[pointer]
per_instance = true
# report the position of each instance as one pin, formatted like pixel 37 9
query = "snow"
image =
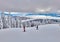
pixel 42 17
pixel 46 33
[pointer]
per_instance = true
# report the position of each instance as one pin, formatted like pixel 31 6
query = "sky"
pixel 29 5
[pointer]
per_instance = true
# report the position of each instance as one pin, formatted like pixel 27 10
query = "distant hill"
pixel 37 14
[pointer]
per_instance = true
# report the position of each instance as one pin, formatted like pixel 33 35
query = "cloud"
pixel 43 10
pixel 28 5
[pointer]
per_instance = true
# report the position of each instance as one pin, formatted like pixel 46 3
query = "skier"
pixel 37 27
pixel 24 28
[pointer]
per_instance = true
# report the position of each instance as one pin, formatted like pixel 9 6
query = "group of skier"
pixel 24 28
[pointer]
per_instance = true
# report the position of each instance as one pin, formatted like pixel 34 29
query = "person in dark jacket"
pixel 37 27
pixel 24 28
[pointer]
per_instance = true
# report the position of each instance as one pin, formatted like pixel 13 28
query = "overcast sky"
pixel 28 5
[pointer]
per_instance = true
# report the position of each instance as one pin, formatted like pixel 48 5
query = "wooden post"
pixel 9 20
pixel 3 20
pixel 1 23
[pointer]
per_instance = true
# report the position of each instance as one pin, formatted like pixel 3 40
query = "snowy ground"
pixel 46 33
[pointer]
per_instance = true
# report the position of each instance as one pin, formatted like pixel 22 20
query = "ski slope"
pixel 46 33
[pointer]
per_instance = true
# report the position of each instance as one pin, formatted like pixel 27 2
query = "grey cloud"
pixel 28 5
